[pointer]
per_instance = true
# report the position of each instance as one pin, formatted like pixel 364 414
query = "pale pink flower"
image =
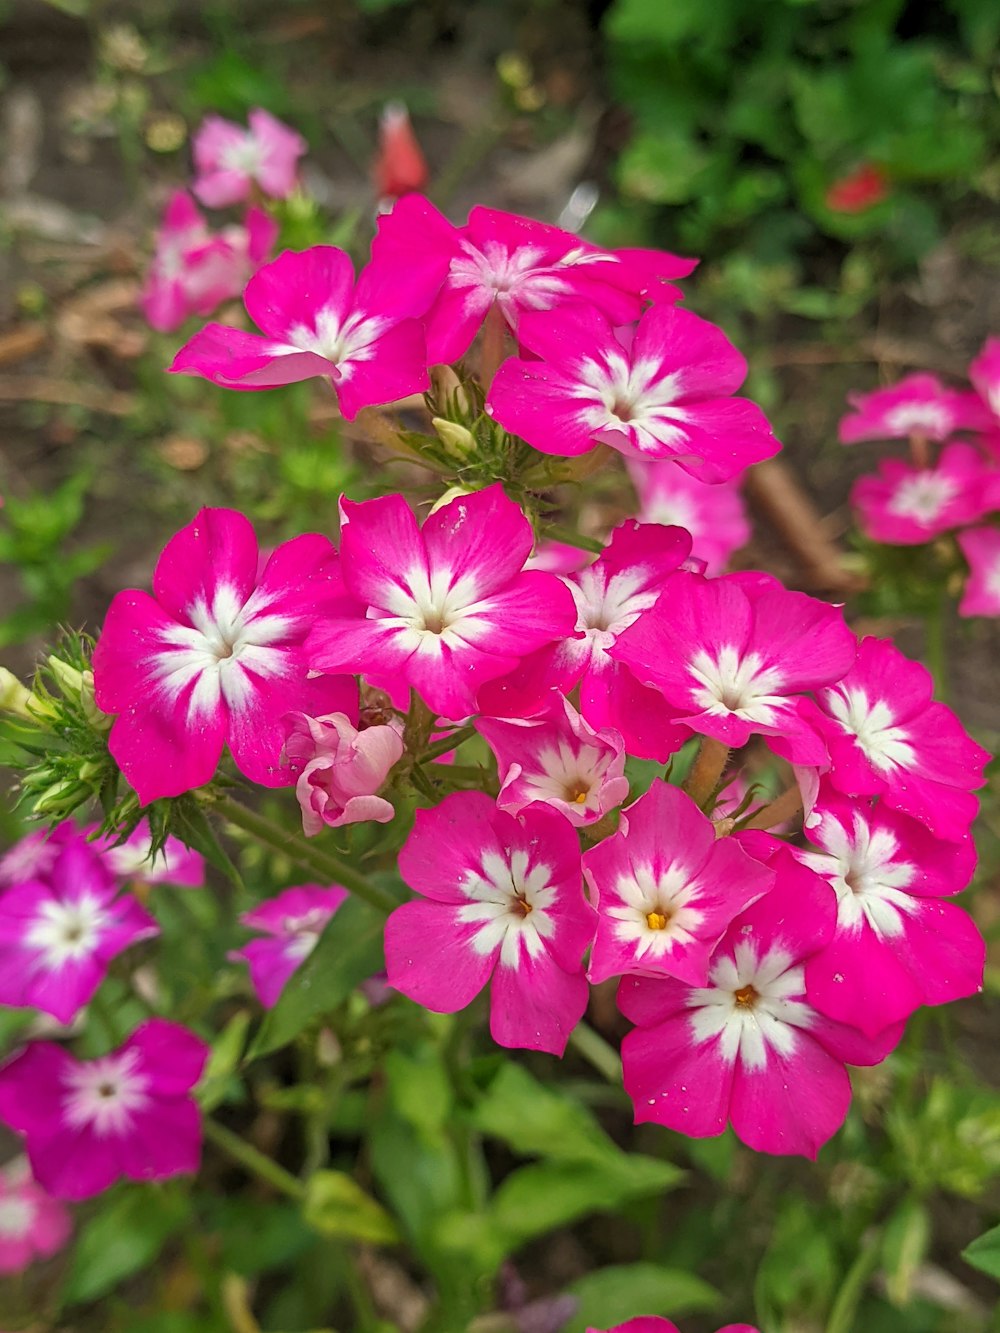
pixel 887 738
pixel 338 770
pixel 749 1048
pixel 919 405
pixel 316 321
pixel 662 390
pixel 896 945
pixel 904 506
pixel 502 902
pixel 666 889
pixel 558 759
pixel 215 657
pixel 87 1123
pixel 230 160
pixel 59 932
pixel 131 860
pixel 291 923
pixel 33 1225
pixel 610 595
pixel 734 655
pixel 714 514
pixel 981 548
pixel 442 608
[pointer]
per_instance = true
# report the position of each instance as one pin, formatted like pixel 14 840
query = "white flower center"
pixel 613 392
pixel 736 683
pixel 302 932
pixel 104 1094
pixel 885 745
pixel 607 606
pixel 340 341
pixel 245 155
pixel 509 904
pixel 656 913
pixel 66 932
pixel 513 278
pixel 867 872
pixel 564 772
pixel 922 497
pixel 919 419
pixel 17 1217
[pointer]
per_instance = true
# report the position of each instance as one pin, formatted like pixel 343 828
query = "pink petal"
pixel 430 957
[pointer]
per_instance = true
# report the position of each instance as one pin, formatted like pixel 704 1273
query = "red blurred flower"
pixel 864 187
pixel 400 166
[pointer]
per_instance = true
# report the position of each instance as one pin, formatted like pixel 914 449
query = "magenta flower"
pixel 887 738
pixel 441 608
pixel 130 860
pixel 715 514
pixel 896 945
pixel 904 506
pixel 516 265
pixel 504 900
pixel 316 321
pixel 215 656
pixel 654 1324
pixel 610 595
pixel 663 390
pixel 984 372
pixel 338 770
pixel 558 759
pixel 87 1123
pixel 666 889
pixel 981 548
pixel 34 855
pixel 733 655
pixel 230 160
pixel 918 405
pixel 58 933
pixel 749 1049
pixel 33 1225
pixel 292 924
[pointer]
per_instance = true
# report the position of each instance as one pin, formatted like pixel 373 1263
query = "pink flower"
pixel 663 390
pixel 904 505
pixel 400 166
pixel 887 738
pixel 981 548
pixel 35 854
pixel 215 657
pixel 229 160
pixel 896 946
pixel 516 265
pixel 89 1122
pixel 441 608
pixel 715 514
pixel 292 923
pixel 749 1048
pixel 984 372
pixel 316 321
pixel 33 1225
pixel 611 594
pixel 339 770
pixel 733 655
pixel 58 933
pixel 556 758
pixel 193 271
pixel 858 191
pixel 130 860
pixel 503 900
pixel 666 889
pixel 918 405
pixel 654 1324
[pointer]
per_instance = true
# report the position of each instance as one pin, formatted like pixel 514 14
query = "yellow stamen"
pixel 745 996
pixel 656 920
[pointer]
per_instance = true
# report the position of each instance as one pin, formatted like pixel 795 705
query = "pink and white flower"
pixel 338 770
pixel 442 608
pixel 59 933
pixel 896 946
pixel 34 855
pixel 918 406
pixel 666 889
pixel 888 738
pixel 316 321
pixel 715 515
pixel 87 1123
pixel 133 862
pixel 558 759
pixel 749 1049
pixel 662 390
pixel 215 657
pixel 981 548
pixel 230 160
pixel 502 903
pixel 610 595
pixel 734 655
pixel 904 506
pixel 291 923
pixel 33 1225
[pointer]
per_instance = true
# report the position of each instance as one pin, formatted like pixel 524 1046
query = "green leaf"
pixel 904 1248
pixel 535 1120
pixel 984 1253
pixel 420 1087
pixel 224 1060
pixel 336 1205
pixel 612 1295
pixel 189 823
pixel 125 1236
pixel 348 951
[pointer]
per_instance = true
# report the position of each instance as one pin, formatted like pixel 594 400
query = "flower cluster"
pixel 951 481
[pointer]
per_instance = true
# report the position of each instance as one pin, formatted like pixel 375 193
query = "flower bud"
pixel 458 439
pixel 14 697
pixel 452 493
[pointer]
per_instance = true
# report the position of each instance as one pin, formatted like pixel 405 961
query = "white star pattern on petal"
pixel 509 904
pixel 104 1094
pixel 867 872
pixel 885 745
pixel 736 683
pixel 656 913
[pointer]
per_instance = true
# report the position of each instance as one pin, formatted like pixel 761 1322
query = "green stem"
pixel 253 1160
pixel 330 868
pixel 556 532
pixel 448 743
pixel 597 1052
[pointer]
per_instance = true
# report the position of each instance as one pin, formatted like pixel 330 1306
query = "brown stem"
pixel 706 770
pixel 920 451
pixel 780 809
pixel 378 427
pixel 493 349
